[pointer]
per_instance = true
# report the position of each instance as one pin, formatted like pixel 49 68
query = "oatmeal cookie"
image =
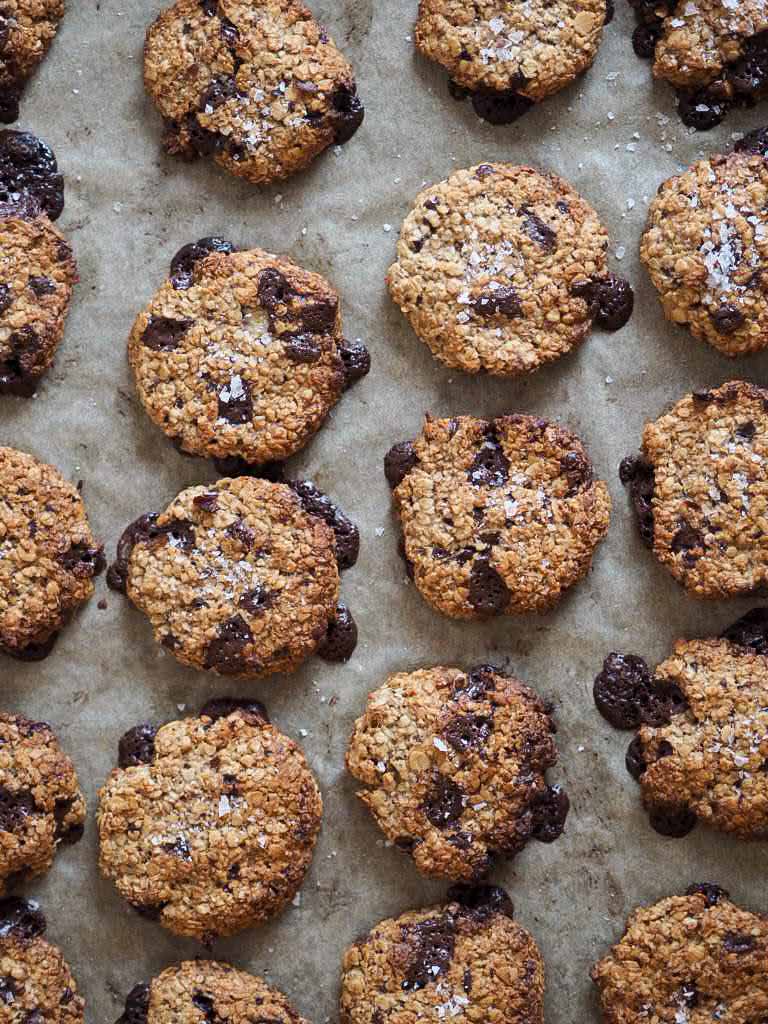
pixel 27 28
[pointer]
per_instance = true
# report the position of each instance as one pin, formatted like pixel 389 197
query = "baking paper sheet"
pixel 615 136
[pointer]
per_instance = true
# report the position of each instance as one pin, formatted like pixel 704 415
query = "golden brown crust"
pixel 35 980
pixel 27 28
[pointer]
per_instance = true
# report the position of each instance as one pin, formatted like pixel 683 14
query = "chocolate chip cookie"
pixel 454 764
pixel 48 556
pixel 242 576
pixel 701 749
pixel 466 959
pixel 510 56
pixel 35 981
pixel 502 269
pixel 695 958
pixel 27 28
pixel 41 804
pixel 714 53
pixel 700 487
pixel 706 249
pixel 499 517
pixel 208 824
pixel 240 354
pixel 260 88
pixel 207 990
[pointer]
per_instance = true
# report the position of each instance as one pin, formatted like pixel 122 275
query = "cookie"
pixel 36 983
pixel 501 269
pixel 41 804
pixel 37 272
pixel 499 517
pixel 29 174
pixel 700 487
pixel 48 556
pixel 240 354
pixel 242 576
pixel 207 990
pixel 713 52
pixel 260 88
pixel 695 958
pixel 208 824
pixel 706 249
pixel 27 28
pixel 466 959
pixel 454 764
pixel 509 56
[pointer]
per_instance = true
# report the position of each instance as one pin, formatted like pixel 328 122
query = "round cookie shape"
pixel 705 246
pixel 697 957
pixel 510 56
pixel 465 958
pixel 502 269
pixel 260 87
pixel 208 825
pixel 209 990
pixel 454 764
pixel 35 981
pixel 27 28
pixel 241 577
pixel 240 354
pixel 700 486
pixel 48 556
pixel 41 804
pixel 499 517
pixel 701 748
pixel 37 273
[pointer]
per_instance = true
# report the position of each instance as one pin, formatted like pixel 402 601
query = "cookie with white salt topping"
pixel 501 269
pixel 700 753
pixel 706 249
pixel 259 87
pixel 240 354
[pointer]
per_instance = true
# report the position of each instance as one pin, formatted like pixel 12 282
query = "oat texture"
pixel 534 48
pixel 235 577
pixel 487 265
pixel 37 272
pixel 48 556
pixel 210 825
pixel 258 86
pixel 242 358
pixel 706 249
pixel 707 457
pixel 41 804
pixel 498 516
pixel 27 28
pixel 697 958
pixel 466 960
pixel 454 766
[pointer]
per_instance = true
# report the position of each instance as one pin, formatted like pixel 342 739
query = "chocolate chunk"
pixel 19 372
pixel 754 143
pixel 66 834
pixel 208 502
pixel 256 601
pixel 42 286
pixel 672 820
pixel 242 533
pixel 347 112
pixel 272 289
pixel 319 316
pixel 315 503
pixel 137 746
pixel 140 531
pixel 8 990
pixel 634 759
pixel 645 38
pixel 638 473
pixel 739 942
pixel 82 561
pixel 539 232
pixel 235 466
pixel 301 348
pixel 6 297
pixel 356 359
pixel 183 263
pixel 163 334
pixel 577 470
pixel 610 300
pixel 398 462
pixel 228 32
pixel 150 911
pixel 701 110
pixel 686 542
pixel 216 94
pixel 204 1004
pixel 444 801
pixel 235 402
pixel 340 639
pixel 711 892
pixel 468 732
pixel 22 918
pixel 178 848
pixel 479 681
pixel 225 652
pixel 746 431
pixel 15 808
pixel 549 813
pixel 623 691
pixel 488 593
pixel 503 301
pixel 490 466
pixel 482 900
pixel 223 707
pixel 499 107
pixel 727 318
pixel 35 651
pixel 751 631
pixel 180 534
pixel 136 1006
pixel 28 168
pixel 430 945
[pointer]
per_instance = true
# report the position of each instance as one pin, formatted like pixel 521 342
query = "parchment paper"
pixel 616 137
